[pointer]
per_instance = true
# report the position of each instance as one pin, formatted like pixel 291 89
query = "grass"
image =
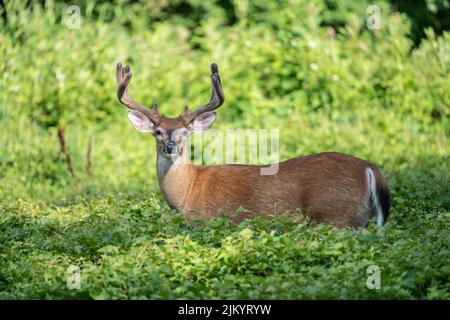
pixel 371 94
pixel 135 247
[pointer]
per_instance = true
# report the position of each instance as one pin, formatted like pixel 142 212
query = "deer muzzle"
pixel 170 147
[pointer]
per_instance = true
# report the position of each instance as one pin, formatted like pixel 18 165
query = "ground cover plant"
pixel 312 69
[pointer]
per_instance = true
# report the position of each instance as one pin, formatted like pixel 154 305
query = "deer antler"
pixel 217 97
pixel 123 76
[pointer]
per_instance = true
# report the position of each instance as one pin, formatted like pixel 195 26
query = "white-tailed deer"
pixel 330 187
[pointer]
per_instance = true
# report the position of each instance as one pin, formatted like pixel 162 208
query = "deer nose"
pixel 170 147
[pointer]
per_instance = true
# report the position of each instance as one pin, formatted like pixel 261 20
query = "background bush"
pixel 311 68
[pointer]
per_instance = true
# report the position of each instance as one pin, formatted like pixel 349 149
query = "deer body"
pixel 331 187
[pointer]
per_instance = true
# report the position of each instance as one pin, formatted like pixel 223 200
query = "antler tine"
pixel 217 96
pixel 123 77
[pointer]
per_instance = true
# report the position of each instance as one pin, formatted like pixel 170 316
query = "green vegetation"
pixel 310 68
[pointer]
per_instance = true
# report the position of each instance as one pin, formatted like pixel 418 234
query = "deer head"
pixel 170 133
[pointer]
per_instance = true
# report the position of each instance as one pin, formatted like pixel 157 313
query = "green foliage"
pixel 137 248
pixel 310 68
pixel 425 14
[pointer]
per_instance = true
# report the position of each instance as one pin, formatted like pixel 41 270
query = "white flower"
pixel 15 88
pixel 312 44
pixel 314 66
pixel 59 75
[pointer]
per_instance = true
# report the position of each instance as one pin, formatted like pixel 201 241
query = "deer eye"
pixel 158 132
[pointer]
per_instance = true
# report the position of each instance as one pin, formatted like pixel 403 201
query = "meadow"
pixel 312 69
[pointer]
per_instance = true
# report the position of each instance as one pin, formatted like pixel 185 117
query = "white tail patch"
pixel 374 196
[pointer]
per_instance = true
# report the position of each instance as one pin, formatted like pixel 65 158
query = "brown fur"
pixel 328 187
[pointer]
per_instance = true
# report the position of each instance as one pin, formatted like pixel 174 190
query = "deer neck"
pixel 175 177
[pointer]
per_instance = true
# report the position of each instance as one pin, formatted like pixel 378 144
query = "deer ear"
pixel 140 121
pixel 203 121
